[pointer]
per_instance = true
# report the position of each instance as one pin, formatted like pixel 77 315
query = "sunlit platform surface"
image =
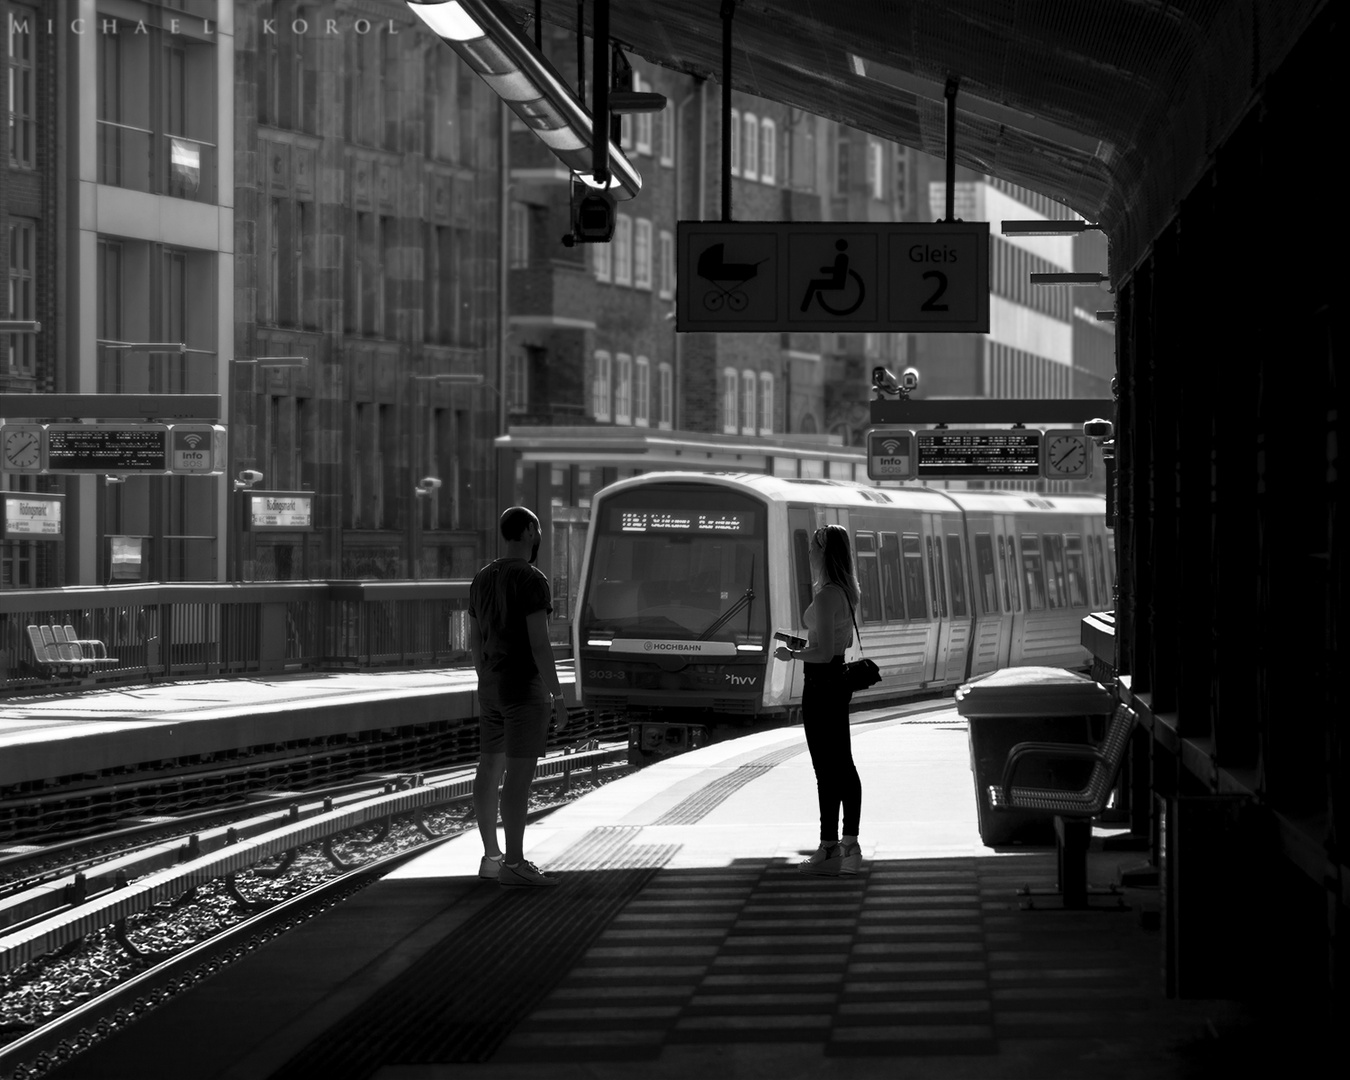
pixel 683 942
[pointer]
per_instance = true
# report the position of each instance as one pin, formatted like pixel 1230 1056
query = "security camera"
pixel 427 485
pixel 887 383
pixel 1097 428
pixel 909 380
pixel 250 476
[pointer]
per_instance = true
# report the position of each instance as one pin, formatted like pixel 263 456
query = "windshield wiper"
pixel 747 597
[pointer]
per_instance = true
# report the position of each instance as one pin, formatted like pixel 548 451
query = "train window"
pixel 1033 574
pixel 801 565
pixel 1007 557
pixel 1075 575
pixel 893 600
pixel 916 600
pixel 1104 568
pixel 869 609
pixel 939 587
pixel 1053 547
pixel 958 573
pixel 986 574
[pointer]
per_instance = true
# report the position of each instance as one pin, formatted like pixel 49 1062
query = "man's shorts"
pixel 518 725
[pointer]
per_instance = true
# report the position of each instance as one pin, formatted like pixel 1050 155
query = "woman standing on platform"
pixel 825 697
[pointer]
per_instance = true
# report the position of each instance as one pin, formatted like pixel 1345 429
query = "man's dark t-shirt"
pixel 503 593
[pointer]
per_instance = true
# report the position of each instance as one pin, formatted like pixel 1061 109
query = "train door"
pixel 940 640
pixel 960 624
pixel 801 524
pixel 1011 593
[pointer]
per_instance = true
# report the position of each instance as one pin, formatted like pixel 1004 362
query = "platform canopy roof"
pixel 1113 107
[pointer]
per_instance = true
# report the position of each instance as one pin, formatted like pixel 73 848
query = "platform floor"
pixel 683 943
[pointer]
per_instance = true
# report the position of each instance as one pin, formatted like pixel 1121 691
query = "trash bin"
pixel 1028 704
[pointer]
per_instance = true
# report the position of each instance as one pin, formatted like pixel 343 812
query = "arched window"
pixel 623 389
pixel 642 392
pixel 766 402
pixel 730 394
pixel 600 386
pixel 642 254
pixel 748 396
pixel 768 151
pixel 665 396
pixel 735 142
pixel 750 149
pixel 623 249
pixel 643 143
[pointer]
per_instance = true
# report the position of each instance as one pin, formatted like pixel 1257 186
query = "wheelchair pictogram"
pixel 728 279
pixel 837 282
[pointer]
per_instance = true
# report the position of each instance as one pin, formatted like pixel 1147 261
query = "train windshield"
pixel 678 563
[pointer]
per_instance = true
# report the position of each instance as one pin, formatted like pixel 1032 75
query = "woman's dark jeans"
pixel 825 716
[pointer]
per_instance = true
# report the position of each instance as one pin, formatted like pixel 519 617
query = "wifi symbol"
pixel 890 446
pixel 192 440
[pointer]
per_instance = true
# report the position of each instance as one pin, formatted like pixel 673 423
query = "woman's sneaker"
pixel 850 861
pixel 523 874
pixel 490 867
pixel 824 860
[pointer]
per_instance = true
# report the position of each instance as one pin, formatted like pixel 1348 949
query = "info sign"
pixel 840 277
pixel 279 511
pixel 33 515
pixel 978 454
pixel 891 454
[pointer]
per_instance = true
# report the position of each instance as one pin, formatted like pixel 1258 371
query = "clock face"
pixel 1066 455
pixel 23 448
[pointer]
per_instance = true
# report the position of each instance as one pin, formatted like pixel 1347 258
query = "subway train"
pixel 687 577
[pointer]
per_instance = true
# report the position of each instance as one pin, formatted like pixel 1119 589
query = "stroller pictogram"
pixel 728 279
pixel 837 281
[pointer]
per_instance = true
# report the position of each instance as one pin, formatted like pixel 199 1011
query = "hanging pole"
pixel 600 77
pixel 728 11
pixel 950 94
pixel 581 51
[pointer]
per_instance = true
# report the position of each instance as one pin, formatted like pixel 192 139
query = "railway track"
pixel 97 931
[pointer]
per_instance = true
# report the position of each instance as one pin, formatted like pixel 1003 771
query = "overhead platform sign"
pixel 840 277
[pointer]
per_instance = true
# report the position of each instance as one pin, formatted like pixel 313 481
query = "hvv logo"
pixel 740 680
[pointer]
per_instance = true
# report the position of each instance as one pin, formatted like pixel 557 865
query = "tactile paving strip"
pixel 711 795
pixel 462 999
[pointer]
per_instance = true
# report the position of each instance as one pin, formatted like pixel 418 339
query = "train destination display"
pixel 682 521
pixel 978 454
pixel 106 448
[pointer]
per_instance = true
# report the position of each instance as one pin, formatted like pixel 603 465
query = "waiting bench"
pixel 57 650
pixel 1073 810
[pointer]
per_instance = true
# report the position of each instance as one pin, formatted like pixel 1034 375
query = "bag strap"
pixel 852 616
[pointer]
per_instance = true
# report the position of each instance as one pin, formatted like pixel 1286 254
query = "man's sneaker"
pixel 524 874
pixel 490 867
pixel 825 860
pixel 850 861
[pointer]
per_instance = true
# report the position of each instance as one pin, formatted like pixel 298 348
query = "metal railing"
pixel 205 630
pixel 155 162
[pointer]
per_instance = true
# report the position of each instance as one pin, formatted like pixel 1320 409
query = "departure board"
pixel 107 448
pixel 970 454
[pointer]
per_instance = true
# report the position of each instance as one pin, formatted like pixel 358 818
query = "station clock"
pixel 21 447
pixel 1068 454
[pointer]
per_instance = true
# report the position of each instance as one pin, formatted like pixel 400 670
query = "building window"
pixel 644 120
pixel 766 403
pixel 750 149
pixel 735 142
pixel 843 172
pixel 667 136
pixel 282 93
pixel 22 98
pixel 642 254
pixel 731 383
pixel 600 387
pixel 603 261
pixel 519 257
pixel 623 389
pixel 768 151
pixel 876 172
pixel 667 260
pixel 642 392
pixel 901 180
pixel 623 250
pixel 518 381
pixel 748 396
pixel 22 246
pixel 665 396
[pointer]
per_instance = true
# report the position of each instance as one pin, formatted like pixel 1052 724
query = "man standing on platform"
pixel 509 605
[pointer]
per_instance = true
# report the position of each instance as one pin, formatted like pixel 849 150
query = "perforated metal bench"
pixel 57 652
pixel 1073 810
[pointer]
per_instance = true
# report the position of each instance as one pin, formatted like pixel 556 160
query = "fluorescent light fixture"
pixel 1068 279
pixel 504 58
pixel 1046 227
pixel 598 642
pixel 749 648
pixel 143 346
pixel 20 326
pixel 450 379
pixel 278 361
pixel 975 105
